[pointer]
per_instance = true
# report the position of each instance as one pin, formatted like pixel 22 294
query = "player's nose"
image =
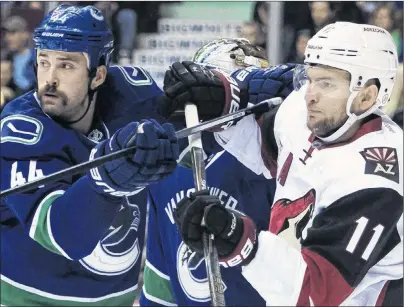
pixel 53 77
pixel 311 95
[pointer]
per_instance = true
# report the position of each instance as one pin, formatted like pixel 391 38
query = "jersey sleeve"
pixel 244 142
pixel 351 246
pixel 66 217
pixel 254 141
pixel 156 290
pixel 289 118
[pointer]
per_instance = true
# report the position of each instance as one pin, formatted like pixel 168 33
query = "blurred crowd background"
pixel 154 34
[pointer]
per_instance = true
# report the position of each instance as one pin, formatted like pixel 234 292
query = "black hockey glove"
pixel 213 92
pixel 235 233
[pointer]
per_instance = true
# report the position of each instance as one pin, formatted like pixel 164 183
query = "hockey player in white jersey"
pixel 336 227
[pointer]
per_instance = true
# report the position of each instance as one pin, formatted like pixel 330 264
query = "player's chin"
pixel 51 107
pixel 312 122
pixel 316 126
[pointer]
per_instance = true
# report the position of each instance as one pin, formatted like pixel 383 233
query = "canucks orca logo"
pixel 119 250
pixel 21 129
pixel 191 270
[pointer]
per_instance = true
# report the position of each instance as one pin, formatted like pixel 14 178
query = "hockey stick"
pixel 85 166
pixel 216 288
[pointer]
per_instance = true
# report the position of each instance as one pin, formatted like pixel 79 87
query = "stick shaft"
pixel 87 165
pixel 257 109
pixel 67 172
pixel 216 287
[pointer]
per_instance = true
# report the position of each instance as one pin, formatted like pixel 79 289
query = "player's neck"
pixel 349 134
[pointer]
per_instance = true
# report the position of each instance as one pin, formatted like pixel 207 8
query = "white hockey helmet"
pixel 230 54
pixel 365 51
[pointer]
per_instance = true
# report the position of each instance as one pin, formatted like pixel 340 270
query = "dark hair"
pixel 6 55
pixel 305 32
pixel 256 17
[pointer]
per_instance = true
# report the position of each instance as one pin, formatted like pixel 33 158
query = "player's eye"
pixel 67 66
pixel 43 64
pixel 325 84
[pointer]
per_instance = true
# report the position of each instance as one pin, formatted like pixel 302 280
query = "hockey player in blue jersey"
pixel 78 241
pixel 174 275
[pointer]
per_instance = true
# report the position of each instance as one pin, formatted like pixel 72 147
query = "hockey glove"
pixel 235 233
pixel 213 92
pixel 275 81
pixel 154 158
pixel 216 93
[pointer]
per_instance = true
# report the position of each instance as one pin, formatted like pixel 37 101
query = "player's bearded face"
pixel 62 84
pixel 326 98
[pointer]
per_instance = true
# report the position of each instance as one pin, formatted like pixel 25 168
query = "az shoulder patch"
pixel 381 161
pixel 21 129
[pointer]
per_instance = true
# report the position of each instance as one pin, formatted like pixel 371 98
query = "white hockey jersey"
pixel 336 226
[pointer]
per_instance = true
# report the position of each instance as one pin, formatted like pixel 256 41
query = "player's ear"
pixel 369 97
pixel 366 98
pixel 100 76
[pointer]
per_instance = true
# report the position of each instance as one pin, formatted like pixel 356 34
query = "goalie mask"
pixel 228 55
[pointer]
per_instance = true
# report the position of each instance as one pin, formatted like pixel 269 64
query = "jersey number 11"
pixel 360 228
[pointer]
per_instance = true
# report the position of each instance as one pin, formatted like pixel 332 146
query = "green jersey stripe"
pixel 157 286
pixel 16 294
pixel 40 229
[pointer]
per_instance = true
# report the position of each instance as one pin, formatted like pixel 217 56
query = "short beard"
pixel 327 127
pixel 68 119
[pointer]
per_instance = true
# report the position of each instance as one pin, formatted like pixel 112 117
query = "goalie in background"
pixel 174 275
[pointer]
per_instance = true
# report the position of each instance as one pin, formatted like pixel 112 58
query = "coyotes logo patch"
pixel 290 217
pixel 381 161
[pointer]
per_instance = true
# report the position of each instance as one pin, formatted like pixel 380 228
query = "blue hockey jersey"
pixel 174 275
pixel 83 248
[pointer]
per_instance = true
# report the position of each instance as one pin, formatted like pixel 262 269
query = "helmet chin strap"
pixel 84 114
pixel 90 100
pixel 352 119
